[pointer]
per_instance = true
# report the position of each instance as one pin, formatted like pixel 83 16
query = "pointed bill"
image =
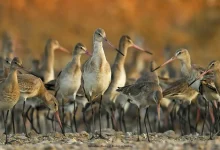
pixel 63 49
pixel 113 46
pixel 201 75
pixel 141 49
pixel 167 62
pixel 58 119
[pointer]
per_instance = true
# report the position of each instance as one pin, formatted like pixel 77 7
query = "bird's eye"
pixel 179 53
pixel 81 47
pixel 55 104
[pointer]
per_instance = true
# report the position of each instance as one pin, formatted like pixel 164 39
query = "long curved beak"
pixel 58 119
pixel 201 75
pixel 141 49
pixel 167 62
pixel 63 49
pixel 113 46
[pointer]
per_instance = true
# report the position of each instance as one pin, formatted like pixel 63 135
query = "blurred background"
pixel 174 23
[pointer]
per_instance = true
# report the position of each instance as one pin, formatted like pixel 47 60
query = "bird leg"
pixel 172 115
pixel 38 121
pixel 114 124
pixel 184 118
pixel 205 117
pixel 31 119
pixel 93 122
pixel 210 130
pixel 100 117
pixel 123 119
pixel 189 118
pixel 24 119
pixel 13 118
pixel 107 120
pixel 146 124
pixel 120 118
pixel 74 117
pixel 5 124
pixel 198 114
pixel 63 115
pixel 148 119
pixel 180 121
pixel 71 121
pixel 138 139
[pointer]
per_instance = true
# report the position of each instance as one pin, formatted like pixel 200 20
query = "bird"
pixel 212 85
pixel 144 92
pixel 180 90
pixel 46 70
pixel 118 76
pixel 68 81
pixel 31 86
pixel 9 93
pixel 190 71
pixel 97 72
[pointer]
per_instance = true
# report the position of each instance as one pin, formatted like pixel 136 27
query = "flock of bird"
pixel 97 82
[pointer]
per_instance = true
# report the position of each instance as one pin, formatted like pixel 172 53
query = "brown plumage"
pixel 180 90
pixel 9 92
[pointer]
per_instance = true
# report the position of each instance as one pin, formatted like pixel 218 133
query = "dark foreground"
pixel 115 140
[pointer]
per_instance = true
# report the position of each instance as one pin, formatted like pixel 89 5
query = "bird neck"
pixel 186 66
pixel 76 59
pixel 119 59
pixel 12 77
pixel 42 92
pixel 98 50
pixel 48 61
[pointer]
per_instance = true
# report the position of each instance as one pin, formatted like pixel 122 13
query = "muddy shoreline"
pixel 114 140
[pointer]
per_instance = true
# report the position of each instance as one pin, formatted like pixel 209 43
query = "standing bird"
pixel 190 71
pixel 118 77
pixel 179 89
pixel 31 86
pixel 214 67
pixel 69 80
pixel 9 93
pixel 97 72
pixel 46 71
pixel 144 93
pixel 214 91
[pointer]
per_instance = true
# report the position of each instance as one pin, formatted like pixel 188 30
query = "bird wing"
pixel 176 87
pixel 136 89
pixel 28 83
